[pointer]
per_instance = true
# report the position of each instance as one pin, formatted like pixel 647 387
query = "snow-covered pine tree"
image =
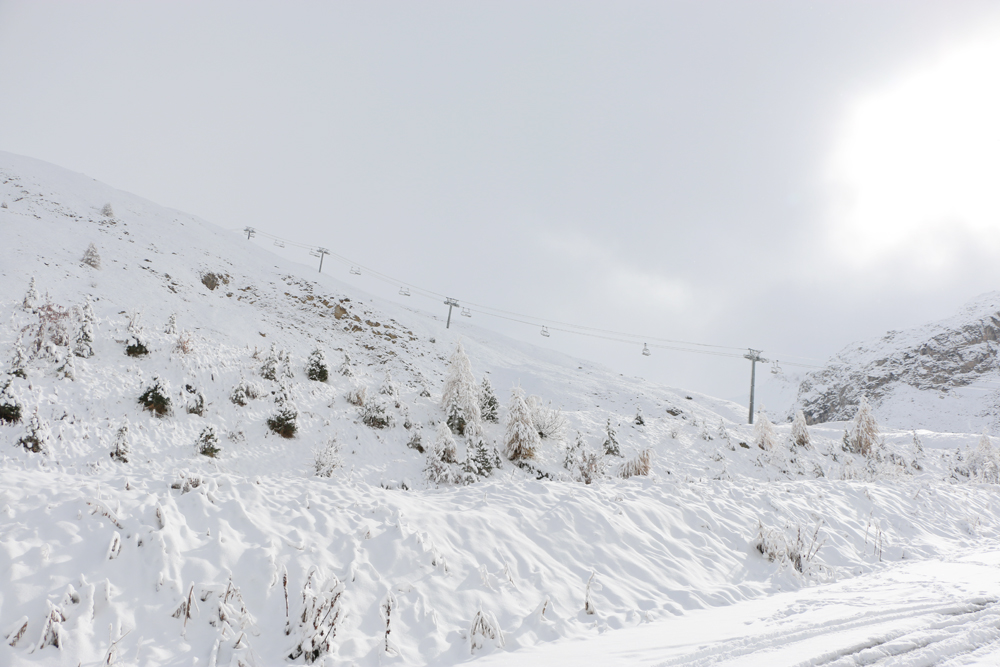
pixel 489 406
pixel 284 422
pixel 864 432
pixel 460 398
pixel 67 370
pixel 136 342
pixel 208 442
pixel 31 298
pixel 122 450
pixel 327 459
pixel 764 435
pixel 91 257
pixel 800 432
pixel 389 387
pixel 317 369
pixel 10 410
pixel 484 458
pixel 83 345
pixel 269 369
pixel 107 211
pixel 983 462
pixel 611 447
pixel 520 438
pixel 156 397
pixel 38 437
pixel 19 360
pixel 345 368
pixel 639 420
pixel 441 454
pixel 171 328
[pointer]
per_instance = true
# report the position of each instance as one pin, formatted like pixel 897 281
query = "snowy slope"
pixel 175 559
pixel 943 376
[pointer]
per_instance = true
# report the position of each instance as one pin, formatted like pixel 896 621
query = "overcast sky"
pixel 791 176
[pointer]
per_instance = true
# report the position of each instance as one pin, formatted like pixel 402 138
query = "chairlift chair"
pixel 404 291
pixel 775 368
pixel 545 332
pixel 280 244
pixel 645 350
pixel 466 312
pixel 355 271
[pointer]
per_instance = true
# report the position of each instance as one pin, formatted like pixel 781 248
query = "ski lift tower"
pixel 754 357
pixel 319 252
pixel 451 303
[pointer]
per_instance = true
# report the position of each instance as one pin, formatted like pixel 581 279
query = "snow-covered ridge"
pixel 940 376
pixel 218 560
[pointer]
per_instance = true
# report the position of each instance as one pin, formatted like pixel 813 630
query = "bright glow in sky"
pixel 920 163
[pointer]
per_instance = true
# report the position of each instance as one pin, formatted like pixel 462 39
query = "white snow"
pixel 104 557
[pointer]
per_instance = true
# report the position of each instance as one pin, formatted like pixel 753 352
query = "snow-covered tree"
pixel 489 406
pixel 389 387
pixel 800 432
pixel 583 463
pixel 208 442
pixel 136 342
pixel 483 458
pixel 91 257
pixel 19 360
pixel 67 370
pixel 317 369
pixel 345 367
pixel 107 211
pixel 38 437
pixel 441 453
pixel 520 438
pixel 31 298
pixel 269 369
pixel 864 434
pixel 764 435
pixel 327 459
pixel 639 420
pixel 10 409
pixel 171 327
pixel 983 462
pixel 548 421
pixel 156 397
pixel 610 445
pixel 123 449
pixel 460 398
pixel 918 452
pixel 83 344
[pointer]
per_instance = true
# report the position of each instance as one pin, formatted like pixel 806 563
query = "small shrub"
pixel 196 406
pixel 776 547
pixel 374 415
pixel 485 630
pixel 213 280
pixel 244 392
pixel 10 411
pixel 583 463
pixel 284 422
pixel 91 257
pixel 19 361
pixel 38 436
pixel 548 421
pixel 327 459
pixel 185 343
pixel 415 442
pixel 107 211
pixel 156 399
pixel 31 297
pixel 171 327
pixel 208 443
pixel 316 367
pixel 358 396
pixel 638 466
pixel 122 450
pixel 67 370
pixel 135 345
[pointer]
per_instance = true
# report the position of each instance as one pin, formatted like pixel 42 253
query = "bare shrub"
pixel 185 343
pixel 638 466
pixel 316 622
pixel 777 547
pixel 485 629
pixel 107 211
pixel 358 396
pixel 213 280
pixel 548 421
pixel 122 450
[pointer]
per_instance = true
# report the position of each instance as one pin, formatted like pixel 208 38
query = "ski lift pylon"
pixel 404 291
pixel 545 331
pixel 355 271
pixel 645 350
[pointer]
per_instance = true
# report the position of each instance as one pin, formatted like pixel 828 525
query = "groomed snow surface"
pixel 176 558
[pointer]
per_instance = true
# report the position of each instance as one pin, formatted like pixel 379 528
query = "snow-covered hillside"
pixel 250 557
pixel 942 376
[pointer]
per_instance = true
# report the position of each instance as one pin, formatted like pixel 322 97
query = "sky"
pixel 788 176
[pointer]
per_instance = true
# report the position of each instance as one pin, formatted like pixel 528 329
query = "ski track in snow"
pixel 178 559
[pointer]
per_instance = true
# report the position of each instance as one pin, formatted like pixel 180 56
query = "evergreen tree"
pixel 485 458
pixel 327 459
pixel 67 371
pixel 864 432
pixel 316 366
pixel 208 443
pixel 639 421
pixel 611 447
pixel 764 431
pixel 156 397
pixel 171 328
pixel 31 298
pixel 440 467
pixel 389 387
pixel 10 410
pixel 91 258
pixel 19 360
pixel 107 211
pixel 345 368
pixel 38 436
pixel 460 398
pixel 269 369
pixel 489 406
pixel 521 438
pixel 800 433
pixel 136 341
pixel 122 450
pixel 83 346
pixel 983 463
pixel 918 452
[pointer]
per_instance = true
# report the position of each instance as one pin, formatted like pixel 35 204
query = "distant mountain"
pixel 942 376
